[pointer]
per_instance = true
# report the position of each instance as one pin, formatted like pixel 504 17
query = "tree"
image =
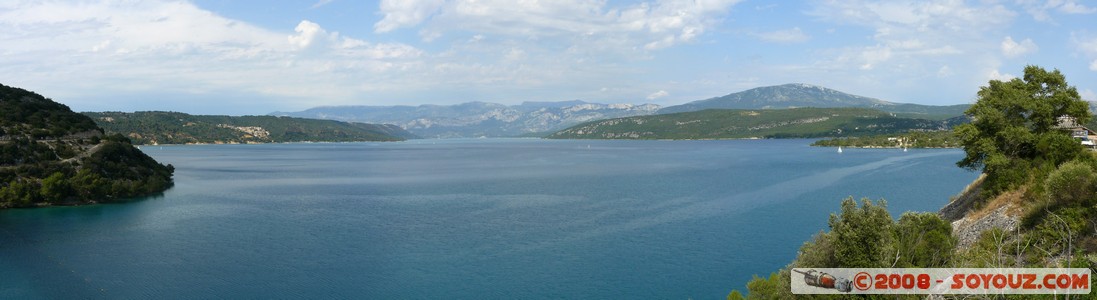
pixel 777 286
pixel 1015 127
pixel 55 188
pixel 863 235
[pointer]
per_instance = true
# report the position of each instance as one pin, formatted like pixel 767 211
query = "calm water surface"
pixel 441 219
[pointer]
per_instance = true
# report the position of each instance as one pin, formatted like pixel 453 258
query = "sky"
pixel 257 57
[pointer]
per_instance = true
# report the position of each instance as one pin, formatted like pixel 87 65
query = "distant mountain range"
pixel 476 119
pixel 795 95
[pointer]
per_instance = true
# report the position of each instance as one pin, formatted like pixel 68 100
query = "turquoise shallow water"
pixel 440 219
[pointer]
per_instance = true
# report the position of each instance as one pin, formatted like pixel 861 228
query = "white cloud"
pixel 657 95
pixel 320 3
pixel 1072 7
pixel 590 24
pixel 307 33
pixel 1087 45
pixel 1040 9
pixel 910 41
pixel 501 50
pixel 101 46
pixel 944 72
pixel 405 13
pixel 1084 43
pixel 870 57
pixel 515 55
pixel 995 75
pixel 1088 95
pixel 73 50
pixel 794 35
pixel 931 17
pixel 1012 49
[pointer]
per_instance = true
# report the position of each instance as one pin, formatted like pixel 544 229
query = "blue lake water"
pixel 461 219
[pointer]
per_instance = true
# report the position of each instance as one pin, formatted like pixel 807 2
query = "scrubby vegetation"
pixel 51 155
pixel 762 123
pixel 917 139
pixel 156 127
pixel 1029 163
pixel 24 113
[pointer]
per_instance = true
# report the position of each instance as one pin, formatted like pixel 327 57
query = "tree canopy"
pixel 51 155
pixel 1015 127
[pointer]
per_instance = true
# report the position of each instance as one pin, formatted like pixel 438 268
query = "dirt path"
pixel 84 154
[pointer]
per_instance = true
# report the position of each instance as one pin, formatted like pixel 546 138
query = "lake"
pixel 462 219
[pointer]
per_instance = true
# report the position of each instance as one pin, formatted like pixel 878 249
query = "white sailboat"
pixel 839 149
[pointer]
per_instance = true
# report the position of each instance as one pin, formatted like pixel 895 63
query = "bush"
pixel 777 286
pixel 1072 183
pixel 817 253
pixel 55 188
pixel 1060 233
pixel 924 240
pixel 863 235
pixel 1005 174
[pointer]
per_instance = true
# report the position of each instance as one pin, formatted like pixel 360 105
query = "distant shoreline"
pixel 883 147
pixel 269 143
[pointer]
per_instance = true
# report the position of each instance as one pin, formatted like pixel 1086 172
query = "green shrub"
pixel 777 286
pixel 1072 183
pixel 863 236
pixel 924 240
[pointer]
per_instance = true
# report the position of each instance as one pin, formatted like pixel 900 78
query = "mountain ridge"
pixel 795 95
pixel 476 119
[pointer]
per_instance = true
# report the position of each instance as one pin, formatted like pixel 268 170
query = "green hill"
pixel 51 155
pixel 154 127
pixel 930 139
pixel 764 123
pixel 795 95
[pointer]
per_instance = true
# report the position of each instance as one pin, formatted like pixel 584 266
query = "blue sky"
pixel 255 57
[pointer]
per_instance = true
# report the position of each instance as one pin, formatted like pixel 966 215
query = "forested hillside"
pixel 153 127
pixel 916 139
pixel 762 123
pixel 51 155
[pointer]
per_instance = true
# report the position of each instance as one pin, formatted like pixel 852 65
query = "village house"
pixel 1078 131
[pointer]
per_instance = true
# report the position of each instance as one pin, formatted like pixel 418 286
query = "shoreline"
pixel 266 143
pixel 884 147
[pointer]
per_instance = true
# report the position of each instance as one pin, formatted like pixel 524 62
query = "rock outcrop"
pixel 971 214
